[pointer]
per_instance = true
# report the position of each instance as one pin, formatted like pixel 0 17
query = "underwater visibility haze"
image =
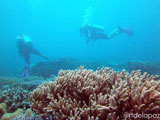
pixel 67 34
pixel 54 26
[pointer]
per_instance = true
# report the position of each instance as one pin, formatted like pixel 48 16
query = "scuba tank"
pixel 98 27
pixel 26 39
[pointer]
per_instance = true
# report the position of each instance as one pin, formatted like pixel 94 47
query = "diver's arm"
pixel 36 52
pixel 45 57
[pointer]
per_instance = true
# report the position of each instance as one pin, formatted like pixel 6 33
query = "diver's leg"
pixel 114 33
pixel 120 30
pixel 100 36
pixel 25 71
pixel 26 67
pixel 127 31
pixel 23 74
pixel 87 41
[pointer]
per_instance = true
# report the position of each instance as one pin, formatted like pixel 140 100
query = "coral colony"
pixel 84 94
pixel 104 94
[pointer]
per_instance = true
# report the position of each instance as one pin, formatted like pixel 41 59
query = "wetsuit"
pixel 95 32
pixel 25 48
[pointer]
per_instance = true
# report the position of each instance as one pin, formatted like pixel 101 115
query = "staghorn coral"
pixel 103 94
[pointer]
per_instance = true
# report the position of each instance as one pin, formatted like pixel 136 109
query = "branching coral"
pixel 15 98
pixel 97 95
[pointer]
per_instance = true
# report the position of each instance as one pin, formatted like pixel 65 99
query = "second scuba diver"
pixel 96 32
pixel 25 48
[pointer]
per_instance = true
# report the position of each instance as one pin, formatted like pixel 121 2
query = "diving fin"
pixel 127 31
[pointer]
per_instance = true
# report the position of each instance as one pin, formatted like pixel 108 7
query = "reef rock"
pixel 10 116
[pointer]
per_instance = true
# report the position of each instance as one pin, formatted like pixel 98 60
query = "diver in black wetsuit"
pixel 25 48
pixel 95 32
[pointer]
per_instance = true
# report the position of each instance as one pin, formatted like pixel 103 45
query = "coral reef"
pixel 29 83
pixel 19 114
pixel 14 93
pixel 7 81
pixel 15 98
pixel 149 67
pixel 28 115
pixel 103 94
pixel 46 69
pixel 24 117
pixel 2 109
pixel 10 116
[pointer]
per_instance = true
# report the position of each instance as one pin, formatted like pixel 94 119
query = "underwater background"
pixel 53 26
pixel 102 80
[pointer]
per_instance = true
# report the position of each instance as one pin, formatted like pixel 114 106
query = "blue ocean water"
pixel 53 26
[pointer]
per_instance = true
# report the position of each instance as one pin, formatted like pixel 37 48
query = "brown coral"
pixel 97 95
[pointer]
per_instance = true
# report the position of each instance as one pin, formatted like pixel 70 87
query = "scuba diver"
pixel 25 48
pixel 96 32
